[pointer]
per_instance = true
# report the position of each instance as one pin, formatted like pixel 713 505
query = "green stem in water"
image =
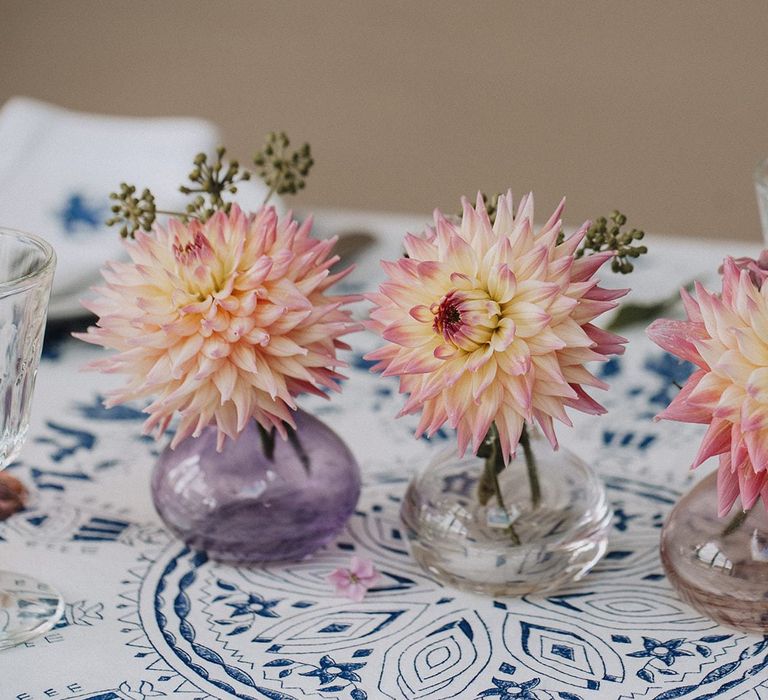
pixel 533 472
pixel 298 448
pixel 736 522
pixel 489 483
pixel 267 441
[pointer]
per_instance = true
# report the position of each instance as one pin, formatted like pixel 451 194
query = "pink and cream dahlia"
pixel 221 322
pixel 492 323
pixel 726 337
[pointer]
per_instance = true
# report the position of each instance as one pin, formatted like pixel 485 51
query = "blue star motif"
pixel 255 605
pixel 510 690
pixel 329 671
pixel 664 651
pixel 620 519
pixel 77 212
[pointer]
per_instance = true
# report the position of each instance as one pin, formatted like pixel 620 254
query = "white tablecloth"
pixel 148 618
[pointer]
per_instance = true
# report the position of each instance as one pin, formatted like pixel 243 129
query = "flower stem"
pixel 298 448
pixel 735 522
pixel 267 441
pixel 177 214
pixel 530 463
pixel 272 191
pixel 489 483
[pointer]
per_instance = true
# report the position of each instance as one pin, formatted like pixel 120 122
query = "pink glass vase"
pixel 721 571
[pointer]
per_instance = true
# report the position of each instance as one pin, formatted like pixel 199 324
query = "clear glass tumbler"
pixel 761 190
pixel 28 607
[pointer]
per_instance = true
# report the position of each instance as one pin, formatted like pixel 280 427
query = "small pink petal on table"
pixel 354 582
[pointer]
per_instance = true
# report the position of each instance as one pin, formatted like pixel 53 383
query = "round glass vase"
pixel 244 505
pixel 471 545
pixel 718 565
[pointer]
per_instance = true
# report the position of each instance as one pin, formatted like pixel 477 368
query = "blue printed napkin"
pixel 57 168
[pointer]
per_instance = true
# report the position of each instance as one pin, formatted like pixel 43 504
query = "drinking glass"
pixel 28 607
pixel 761 190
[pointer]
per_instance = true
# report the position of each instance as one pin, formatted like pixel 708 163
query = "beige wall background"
pixel 657 108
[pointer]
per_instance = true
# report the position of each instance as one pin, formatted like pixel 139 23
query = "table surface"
pixel 148 618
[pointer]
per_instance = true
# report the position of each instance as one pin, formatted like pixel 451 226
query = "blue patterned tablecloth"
pixel 148 618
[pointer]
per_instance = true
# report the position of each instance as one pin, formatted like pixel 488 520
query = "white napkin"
pixel 57 168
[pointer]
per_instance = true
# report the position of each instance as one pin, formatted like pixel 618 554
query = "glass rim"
pixel 760 173
pixel 28 280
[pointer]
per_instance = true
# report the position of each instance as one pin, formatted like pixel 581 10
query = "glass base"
pixel 470 545
pixel 28 608
pixel 725 577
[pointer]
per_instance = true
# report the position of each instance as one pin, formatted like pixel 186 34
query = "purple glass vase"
pixel 240 505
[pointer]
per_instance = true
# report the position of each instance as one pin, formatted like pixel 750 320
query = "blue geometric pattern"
pixel 149 618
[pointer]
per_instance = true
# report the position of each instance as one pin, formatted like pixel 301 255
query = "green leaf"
pixel 631 314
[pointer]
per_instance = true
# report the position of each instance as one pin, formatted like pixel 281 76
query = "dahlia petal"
pixel 717 441
pixel 525 208
pixel 708 392
pixel 484 413
pixel 516 358
pixel 548 367
pixel 408 334
pixel 533 264
pixel 691 306
pixel 479 357
pixel 551 406
pixel 504 335
pixel 545 342
pixel 739 451
pixel 555 220
pixel 573 334
pixel 510 426
pixel 483 378
pixel 757 448
pixel 727 487
pixel 606 343
pixel 283 346
pixel 502 283
pixel 578 374
pixel 678 338
pixel 680 409
pixel 584 402
pixel 530 319
pixel 751 347
pixel 419 248
pixel 445 351
pixel 757 385
pixel 585 267
pixel 750 485
pixel 547 427
pixel 599 294
pixel 505 217
pixel 534 292
pixel 520 390
pixel 570 244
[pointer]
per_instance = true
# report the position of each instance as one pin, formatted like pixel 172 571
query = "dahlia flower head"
pixel 726 338
pixel 492 323
pixel 221 322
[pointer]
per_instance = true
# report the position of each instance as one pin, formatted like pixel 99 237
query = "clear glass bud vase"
pixel 507 541
pixel 718 565
pixel 246 505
